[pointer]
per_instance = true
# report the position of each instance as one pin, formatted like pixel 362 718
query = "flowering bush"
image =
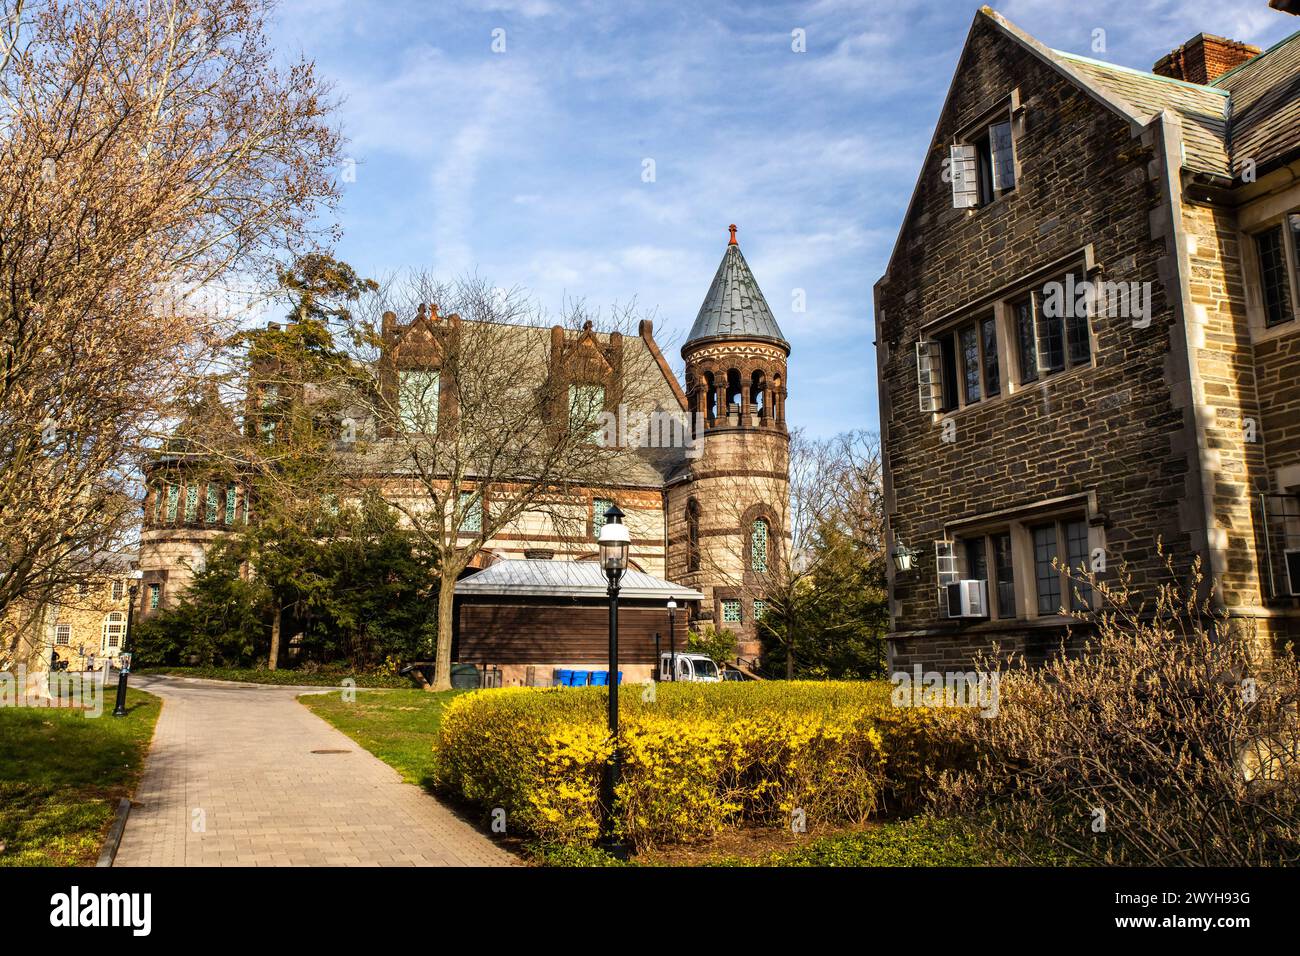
pixel 696 758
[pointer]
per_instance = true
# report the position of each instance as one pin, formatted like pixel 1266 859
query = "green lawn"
pixel 397 726
pixel 62 774
pixel 260 675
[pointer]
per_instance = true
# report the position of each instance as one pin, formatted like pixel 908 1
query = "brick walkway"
pixel 242 755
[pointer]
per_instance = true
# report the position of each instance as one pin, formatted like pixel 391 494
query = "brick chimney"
pixel 1204 58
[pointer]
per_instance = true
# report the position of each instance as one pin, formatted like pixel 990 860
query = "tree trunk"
pixel 275 639
pixel 789 651
pixel 446 597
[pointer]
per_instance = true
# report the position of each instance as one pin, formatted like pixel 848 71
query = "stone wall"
pixel 1109 435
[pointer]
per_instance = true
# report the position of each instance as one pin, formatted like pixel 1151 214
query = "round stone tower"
pixel 729 509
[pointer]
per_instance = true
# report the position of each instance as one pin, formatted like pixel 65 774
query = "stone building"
pixel 1088 345
pixel 85 627
pixel 705 512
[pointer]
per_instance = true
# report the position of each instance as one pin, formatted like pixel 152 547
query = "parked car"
pixel 690 666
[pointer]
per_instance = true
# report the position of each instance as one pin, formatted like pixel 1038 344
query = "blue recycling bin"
pixel 599 678
pixel 563 678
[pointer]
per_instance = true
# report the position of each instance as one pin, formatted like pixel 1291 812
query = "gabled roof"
pixel 1203 110
pixel 1257 119
pixel 734 306
pixel 1265 92
pixel 574 579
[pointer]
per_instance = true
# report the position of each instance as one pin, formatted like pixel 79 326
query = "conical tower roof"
pixel 734 307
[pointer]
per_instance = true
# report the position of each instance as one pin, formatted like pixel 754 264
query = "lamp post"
pixel 614 543
pixel 124 658
pixel 672 640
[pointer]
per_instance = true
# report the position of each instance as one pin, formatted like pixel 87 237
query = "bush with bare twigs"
pixel 1168 739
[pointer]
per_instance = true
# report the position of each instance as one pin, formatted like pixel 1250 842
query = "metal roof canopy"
pixel 581 579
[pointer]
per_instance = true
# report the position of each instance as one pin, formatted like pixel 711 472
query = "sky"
pixel 597 151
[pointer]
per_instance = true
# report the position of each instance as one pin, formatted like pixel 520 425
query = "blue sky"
pixel 526 166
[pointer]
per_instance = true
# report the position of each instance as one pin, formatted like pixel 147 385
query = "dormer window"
pixel 417 399
pixel 586 402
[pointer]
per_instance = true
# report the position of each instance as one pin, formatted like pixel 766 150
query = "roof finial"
pixel 732 227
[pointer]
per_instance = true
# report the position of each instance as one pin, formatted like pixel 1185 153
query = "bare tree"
pixel 488 420
pixel 149 151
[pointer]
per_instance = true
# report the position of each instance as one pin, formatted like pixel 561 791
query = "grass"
pixel 397 726
pixel 62 774
pixel 260 675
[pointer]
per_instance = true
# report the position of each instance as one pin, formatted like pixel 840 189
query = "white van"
pixel 693 667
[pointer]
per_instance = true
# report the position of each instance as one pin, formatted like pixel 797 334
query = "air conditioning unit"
pixel 1293 571
pixel 968 599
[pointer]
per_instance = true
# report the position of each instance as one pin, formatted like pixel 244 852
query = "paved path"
pixel 238 758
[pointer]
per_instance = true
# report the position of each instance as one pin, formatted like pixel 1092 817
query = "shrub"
pixel 718 644
pixel 696 758
pixel 1166 740
pixel 923 841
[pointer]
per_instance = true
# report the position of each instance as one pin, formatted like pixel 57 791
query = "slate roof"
pixel 1265 94
pixel 734 306
pixel 581 579
pixel 1251 112
pixel 1202 109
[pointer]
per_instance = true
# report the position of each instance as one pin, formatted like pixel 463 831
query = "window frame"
pixel 979 137
pixel 62 635
pixel 727 603
pixel 431 412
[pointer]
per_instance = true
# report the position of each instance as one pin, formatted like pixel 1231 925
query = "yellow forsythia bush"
pixel 696 758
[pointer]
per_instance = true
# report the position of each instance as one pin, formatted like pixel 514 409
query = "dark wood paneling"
pixel 529 634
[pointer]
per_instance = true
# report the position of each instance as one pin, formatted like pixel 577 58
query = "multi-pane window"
pixel 1051 340
pixel 1076 549
pixel 417 399
pixel 598 508
pixel 586 402
pixel 63 634
pixel 230 504
pixel 692 535
pixel 471 510
pixel 968 358
pixel 117 590
pixel 1047 577
pixel 191 502
pixel 114 626
pixel 989 343
pixel 1004 574
pixel 1274 282
pixel 731 611
pixel 976 559
pixel 173 497
pixel 1026 348
pixel 155 596
pixel 970 363
pixel 213 504
pixel 760 609
pixel 758 536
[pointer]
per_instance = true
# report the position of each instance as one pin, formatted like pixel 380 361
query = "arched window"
pixel 758 393
pixel 692 535
pixel 114 627
pixel 758 536
pixel 733 390
pixel 710 398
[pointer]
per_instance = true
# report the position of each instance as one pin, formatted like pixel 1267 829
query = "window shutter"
pixel 945 566
pixel 965 182
pixel 1042 356
pixel 1003 156
pixel 929 376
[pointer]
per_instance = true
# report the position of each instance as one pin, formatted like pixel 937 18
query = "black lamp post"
pixel 124 658
pixel 614 543
pixel 672 640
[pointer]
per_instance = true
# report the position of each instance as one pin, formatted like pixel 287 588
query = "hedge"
pixel 696 758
